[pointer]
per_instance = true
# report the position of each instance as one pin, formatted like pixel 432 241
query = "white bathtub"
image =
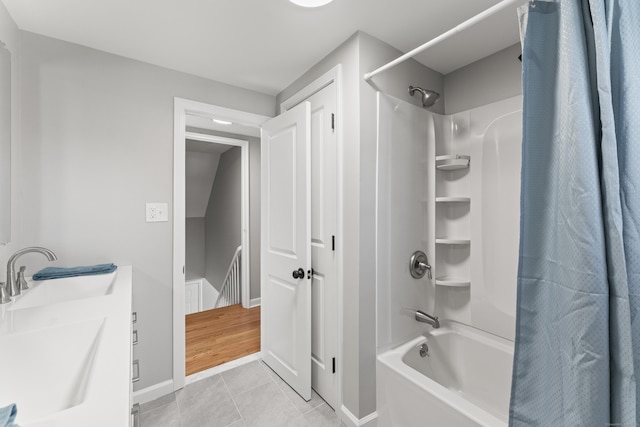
pixel 464 381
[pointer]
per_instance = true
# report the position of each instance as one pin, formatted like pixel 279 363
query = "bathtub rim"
pixel 392 359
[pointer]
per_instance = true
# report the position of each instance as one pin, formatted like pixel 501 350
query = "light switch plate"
pixel 157 212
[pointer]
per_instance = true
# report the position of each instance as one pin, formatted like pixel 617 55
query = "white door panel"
pixel 281 197
pixel 286 241
pixel 192 302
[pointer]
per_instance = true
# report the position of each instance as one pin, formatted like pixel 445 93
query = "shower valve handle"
pixel 426 267
pixel 419 265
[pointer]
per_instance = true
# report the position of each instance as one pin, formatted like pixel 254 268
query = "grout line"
pixel 235 404
pixel 179 410
pixel 266 367
pixel 253 387
pixel 284 384
pixel 312 409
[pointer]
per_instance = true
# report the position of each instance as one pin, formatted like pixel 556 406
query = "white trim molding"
pixel 166 387
pixel 153 392
pixel 255 302
pixel 182 107
pixel 331 76
pixel 351 420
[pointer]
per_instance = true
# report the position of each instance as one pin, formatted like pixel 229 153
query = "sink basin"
pixel 67 289
pixel 48 370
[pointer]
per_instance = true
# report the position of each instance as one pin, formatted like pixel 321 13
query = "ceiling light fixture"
pixel 222 122
pixel 310 3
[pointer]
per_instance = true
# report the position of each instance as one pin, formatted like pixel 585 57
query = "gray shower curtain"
pixel 577 329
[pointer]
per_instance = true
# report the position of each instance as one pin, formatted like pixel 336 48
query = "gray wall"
pixel 200 170
pixel 9 35
pixel 222 222
pixel 194 257
pixel 254 215
pixel 97 144
pixel 359 54
pixel 491 79
pixel 347 55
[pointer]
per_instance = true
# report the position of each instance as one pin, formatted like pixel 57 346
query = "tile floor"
pixel 247 396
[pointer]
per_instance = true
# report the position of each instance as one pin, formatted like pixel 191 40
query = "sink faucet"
pixel 423 317
pixel 12 286
pixel 4 294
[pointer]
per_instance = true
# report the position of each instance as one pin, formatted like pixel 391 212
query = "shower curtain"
pixel 577 352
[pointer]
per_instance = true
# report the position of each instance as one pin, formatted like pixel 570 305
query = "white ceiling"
pixel 262 45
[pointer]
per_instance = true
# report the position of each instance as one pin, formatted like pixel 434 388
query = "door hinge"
pixel 333 122
pixel 333 243
pixel 334 365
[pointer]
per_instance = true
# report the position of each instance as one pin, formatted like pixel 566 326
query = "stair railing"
pixel 230 291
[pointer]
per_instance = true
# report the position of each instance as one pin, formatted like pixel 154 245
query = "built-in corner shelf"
pixel 453 199
pixel 456 282
pixel 447 241
pixel 452 222
pixel 450 162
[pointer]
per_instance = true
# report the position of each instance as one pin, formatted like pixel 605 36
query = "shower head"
pixel 429 97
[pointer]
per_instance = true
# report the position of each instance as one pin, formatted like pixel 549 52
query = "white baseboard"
pixel 153 392
pixel 254 302
pixel 166 387
pixel 351 420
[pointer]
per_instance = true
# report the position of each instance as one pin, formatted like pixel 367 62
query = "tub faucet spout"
pixel 13 287
pixel 423 317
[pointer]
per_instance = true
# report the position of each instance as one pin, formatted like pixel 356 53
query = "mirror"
pixel 5 144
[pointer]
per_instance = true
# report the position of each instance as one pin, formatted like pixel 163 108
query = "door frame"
pixel 183 107
pixel 333 76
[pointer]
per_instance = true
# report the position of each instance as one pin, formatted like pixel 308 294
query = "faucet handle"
pixel 4 294
pixel 22 282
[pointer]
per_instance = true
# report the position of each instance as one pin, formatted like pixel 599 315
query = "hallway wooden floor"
pixel 218 336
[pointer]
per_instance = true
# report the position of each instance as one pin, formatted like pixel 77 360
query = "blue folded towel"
pixel 8 415
pixel 58 273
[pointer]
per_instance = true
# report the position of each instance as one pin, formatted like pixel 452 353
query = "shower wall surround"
pixel 491 136
pixel 448 185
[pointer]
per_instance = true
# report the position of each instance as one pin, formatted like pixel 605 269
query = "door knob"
pixel 298 274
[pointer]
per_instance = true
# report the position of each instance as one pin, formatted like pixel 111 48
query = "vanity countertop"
pixel 65 352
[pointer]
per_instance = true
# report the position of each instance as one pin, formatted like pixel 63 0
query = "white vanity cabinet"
pixel 135 371
pixel 70 356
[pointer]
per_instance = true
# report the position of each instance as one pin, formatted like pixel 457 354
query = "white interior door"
pixel 324 286
pixel 285 251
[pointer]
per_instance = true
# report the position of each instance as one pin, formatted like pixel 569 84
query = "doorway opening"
pixel 216 243
pixel 218 327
